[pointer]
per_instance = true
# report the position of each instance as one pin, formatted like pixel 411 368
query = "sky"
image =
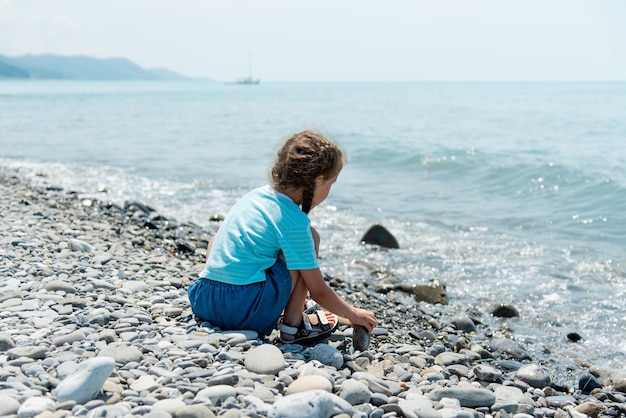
pixel 333 40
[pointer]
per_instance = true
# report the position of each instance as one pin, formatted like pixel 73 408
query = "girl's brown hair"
pixel 301 160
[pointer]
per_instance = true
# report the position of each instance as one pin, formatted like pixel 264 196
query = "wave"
pixel 469 187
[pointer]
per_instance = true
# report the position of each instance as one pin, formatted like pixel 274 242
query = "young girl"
pixel 263 260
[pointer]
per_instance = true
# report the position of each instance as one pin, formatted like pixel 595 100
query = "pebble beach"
pixel 95 322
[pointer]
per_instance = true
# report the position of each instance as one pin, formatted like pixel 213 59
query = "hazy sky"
pixel 343 40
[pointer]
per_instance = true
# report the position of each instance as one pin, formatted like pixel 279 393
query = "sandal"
pixel 307 333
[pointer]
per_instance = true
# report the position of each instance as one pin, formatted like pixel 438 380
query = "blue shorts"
pixel 255 306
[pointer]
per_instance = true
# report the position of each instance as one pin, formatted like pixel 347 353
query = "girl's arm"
pixel 208 248
pixel 330 300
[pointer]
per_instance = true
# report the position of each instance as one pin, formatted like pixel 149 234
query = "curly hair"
pixel 301 160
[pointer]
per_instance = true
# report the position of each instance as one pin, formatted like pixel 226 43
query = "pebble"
pixel 33 352
pixel 8 405
pixel 418 408
pixel 216 394
pixel 95 322
pixel 34 406
pixel 534 375
pixel 467 395
pixel 310 404
pixel 354 392
pixel 309 382
pixel 122 353
pixel 86 381
pixel 328 355
pixel 487 373
pixel 265 359
pixel 360 338
pixel 588 382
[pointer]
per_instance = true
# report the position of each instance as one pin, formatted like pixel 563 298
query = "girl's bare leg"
pixel 299 292
pixel 295 305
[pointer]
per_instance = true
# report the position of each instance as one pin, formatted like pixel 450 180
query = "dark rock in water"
pixel 379 235
pixel 216 218
pixel 434 292
pixel 574 337
pixel 360 338
pixel 588 382
pixel 504 311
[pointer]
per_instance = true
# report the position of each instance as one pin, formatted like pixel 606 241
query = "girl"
pixel 263 260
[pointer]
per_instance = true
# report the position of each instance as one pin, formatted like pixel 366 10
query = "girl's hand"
pixel 363 318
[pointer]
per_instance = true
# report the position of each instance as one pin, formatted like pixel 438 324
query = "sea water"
pixel 506 192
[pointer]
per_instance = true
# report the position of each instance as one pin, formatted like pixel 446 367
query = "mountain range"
pixel 57 67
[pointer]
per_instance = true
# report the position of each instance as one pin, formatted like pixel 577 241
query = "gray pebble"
pixel 354 392
pixel 34 406
pixel 6 343
pixel 469 396
pixel 327 355
pixel 8 405
pixel 360 338
pixel 534 375
pixel 487 373
pixel 32 352
pixel 264 359
pixel 121 353
pixel 86 381
pixel 310 404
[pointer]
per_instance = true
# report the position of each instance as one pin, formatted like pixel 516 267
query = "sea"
pixel 506 192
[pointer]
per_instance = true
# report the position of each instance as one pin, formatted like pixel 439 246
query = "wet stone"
pixel 534 375
pixel 588 382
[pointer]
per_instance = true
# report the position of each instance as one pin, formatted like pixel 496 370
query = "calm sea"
pixel 507 192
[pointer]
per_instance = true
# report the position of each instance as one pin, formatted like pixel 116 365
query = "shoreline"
pixel 84 279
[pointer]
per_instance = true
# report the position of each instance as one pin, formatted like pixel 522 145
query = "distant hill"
pixel 58 67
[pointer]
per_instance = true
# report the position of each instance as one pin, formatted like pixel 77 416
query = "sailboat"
pixel 249 79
